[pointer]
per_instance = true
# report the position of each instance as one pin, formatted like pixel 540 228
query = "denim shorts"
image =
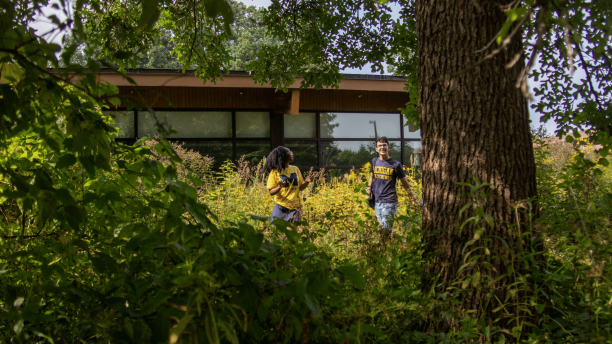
pixel 280 212
pixel 385 212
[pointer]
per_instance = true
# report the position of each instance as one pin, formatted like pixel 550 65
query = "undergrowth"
pixel 161 248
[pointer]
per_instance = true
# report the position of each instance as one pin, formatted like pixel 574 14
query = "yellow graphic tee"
pixel 288 196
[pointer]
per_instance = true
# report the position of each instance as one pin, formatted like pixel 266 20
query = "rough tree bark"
pixel 475 124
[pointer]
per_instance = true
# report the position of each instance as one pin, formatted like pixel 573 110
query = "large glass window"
pixel 301 126
pixel 210 133
pixel 304 152
pixel 338 172
pixel 252 151
pixel 124 121
pixel 218 150
pixel 412 153
pixel 332 140
pixel 252 124
pixel 353 153
pixel 360 125
pixel 188 124
pixel 411 133
pixel 347 139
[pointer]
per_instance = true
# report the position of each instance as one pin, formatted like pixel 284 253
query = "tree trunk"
pixel 475 124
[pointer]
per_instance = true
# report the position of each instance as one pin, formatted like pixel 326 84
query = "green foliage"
pixel 157 55
pixel 248 36
pixel 573 38
pixel 159 50
pixel 103 242
pixel 321 38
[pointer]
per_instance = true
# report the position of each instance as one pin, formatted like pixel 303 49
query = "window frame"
pixel 277 128
pixel 319 139
pixel 232 139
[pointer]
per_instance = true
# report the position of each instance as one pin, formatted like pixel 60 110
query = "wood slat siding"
pixel 262 98
pixel 344 100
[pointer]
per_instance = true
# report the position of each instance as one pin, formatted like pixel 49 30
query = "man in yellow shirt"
pixel 285 183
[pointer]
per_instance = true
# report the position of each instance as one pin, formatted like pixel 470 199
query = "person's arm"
pixel 275 190
pixel 274 185
pixel 305 184
pixel 408 189
pixel 370 183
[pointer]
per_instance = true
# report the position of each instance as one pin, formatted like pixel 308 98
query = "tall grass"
pixel 569 293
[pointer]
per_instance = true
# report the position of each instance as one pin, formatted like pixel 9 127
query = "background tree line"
pixel 248 35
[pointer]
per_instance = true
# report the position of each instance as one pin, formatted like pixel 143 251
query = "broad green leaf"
pixel 65 161
pixel 230 333
pixel 476 279
pixel 153 303
pixel 42 335
pixel 214 8
pixel 210 325
pixel 177 330
pixel 11 73
pixel 149 15
pixel 313 304
pixel 254 240
pixel 353 275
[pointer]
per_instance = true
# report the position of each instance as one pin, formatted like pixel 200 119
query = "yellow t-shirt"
pixel 288 196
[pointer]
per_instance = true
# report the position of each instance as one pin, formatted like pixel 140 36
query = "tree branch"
pixel 30 236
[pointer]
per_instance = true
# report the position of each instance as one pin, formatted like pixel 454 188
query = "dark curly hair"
pixel 277 159
pixel 381 139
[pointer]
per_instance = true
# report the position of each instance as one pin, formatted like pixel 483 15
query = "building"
pixel 329 128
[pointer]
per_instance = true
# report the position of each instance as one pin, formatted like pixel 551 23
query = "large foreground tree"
pixel 475 126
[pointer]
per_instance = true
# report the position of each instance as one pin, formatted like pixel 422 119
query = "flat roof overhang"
pixel 239 79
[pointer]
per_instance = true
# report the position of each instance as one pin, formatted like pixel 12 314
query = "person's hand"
pixel 311 177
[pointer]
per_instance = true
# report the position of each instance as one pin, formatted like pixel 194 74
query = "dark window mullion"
pixel 402 141
pixel 234 135
pixel 136 124
pixel 282 129
pixel 271 118
pixel 318 138
pixel 204 139
pixel 300 139
pixel 368 139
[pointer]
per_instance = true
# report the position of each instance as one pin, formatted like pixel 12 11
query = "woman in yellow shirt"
pixel 285 183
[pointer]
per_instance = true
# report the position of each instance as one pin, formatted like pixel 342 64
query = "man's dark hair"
pixel 381 139
pixel 277 159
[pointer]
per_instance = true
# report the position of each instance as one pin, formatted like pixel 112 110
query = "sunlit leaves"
pixel 11 73
pixel 352 275
pixel 513 15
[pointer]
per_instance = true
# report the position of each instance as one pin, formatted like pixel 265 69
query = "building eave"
pixel 242 79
